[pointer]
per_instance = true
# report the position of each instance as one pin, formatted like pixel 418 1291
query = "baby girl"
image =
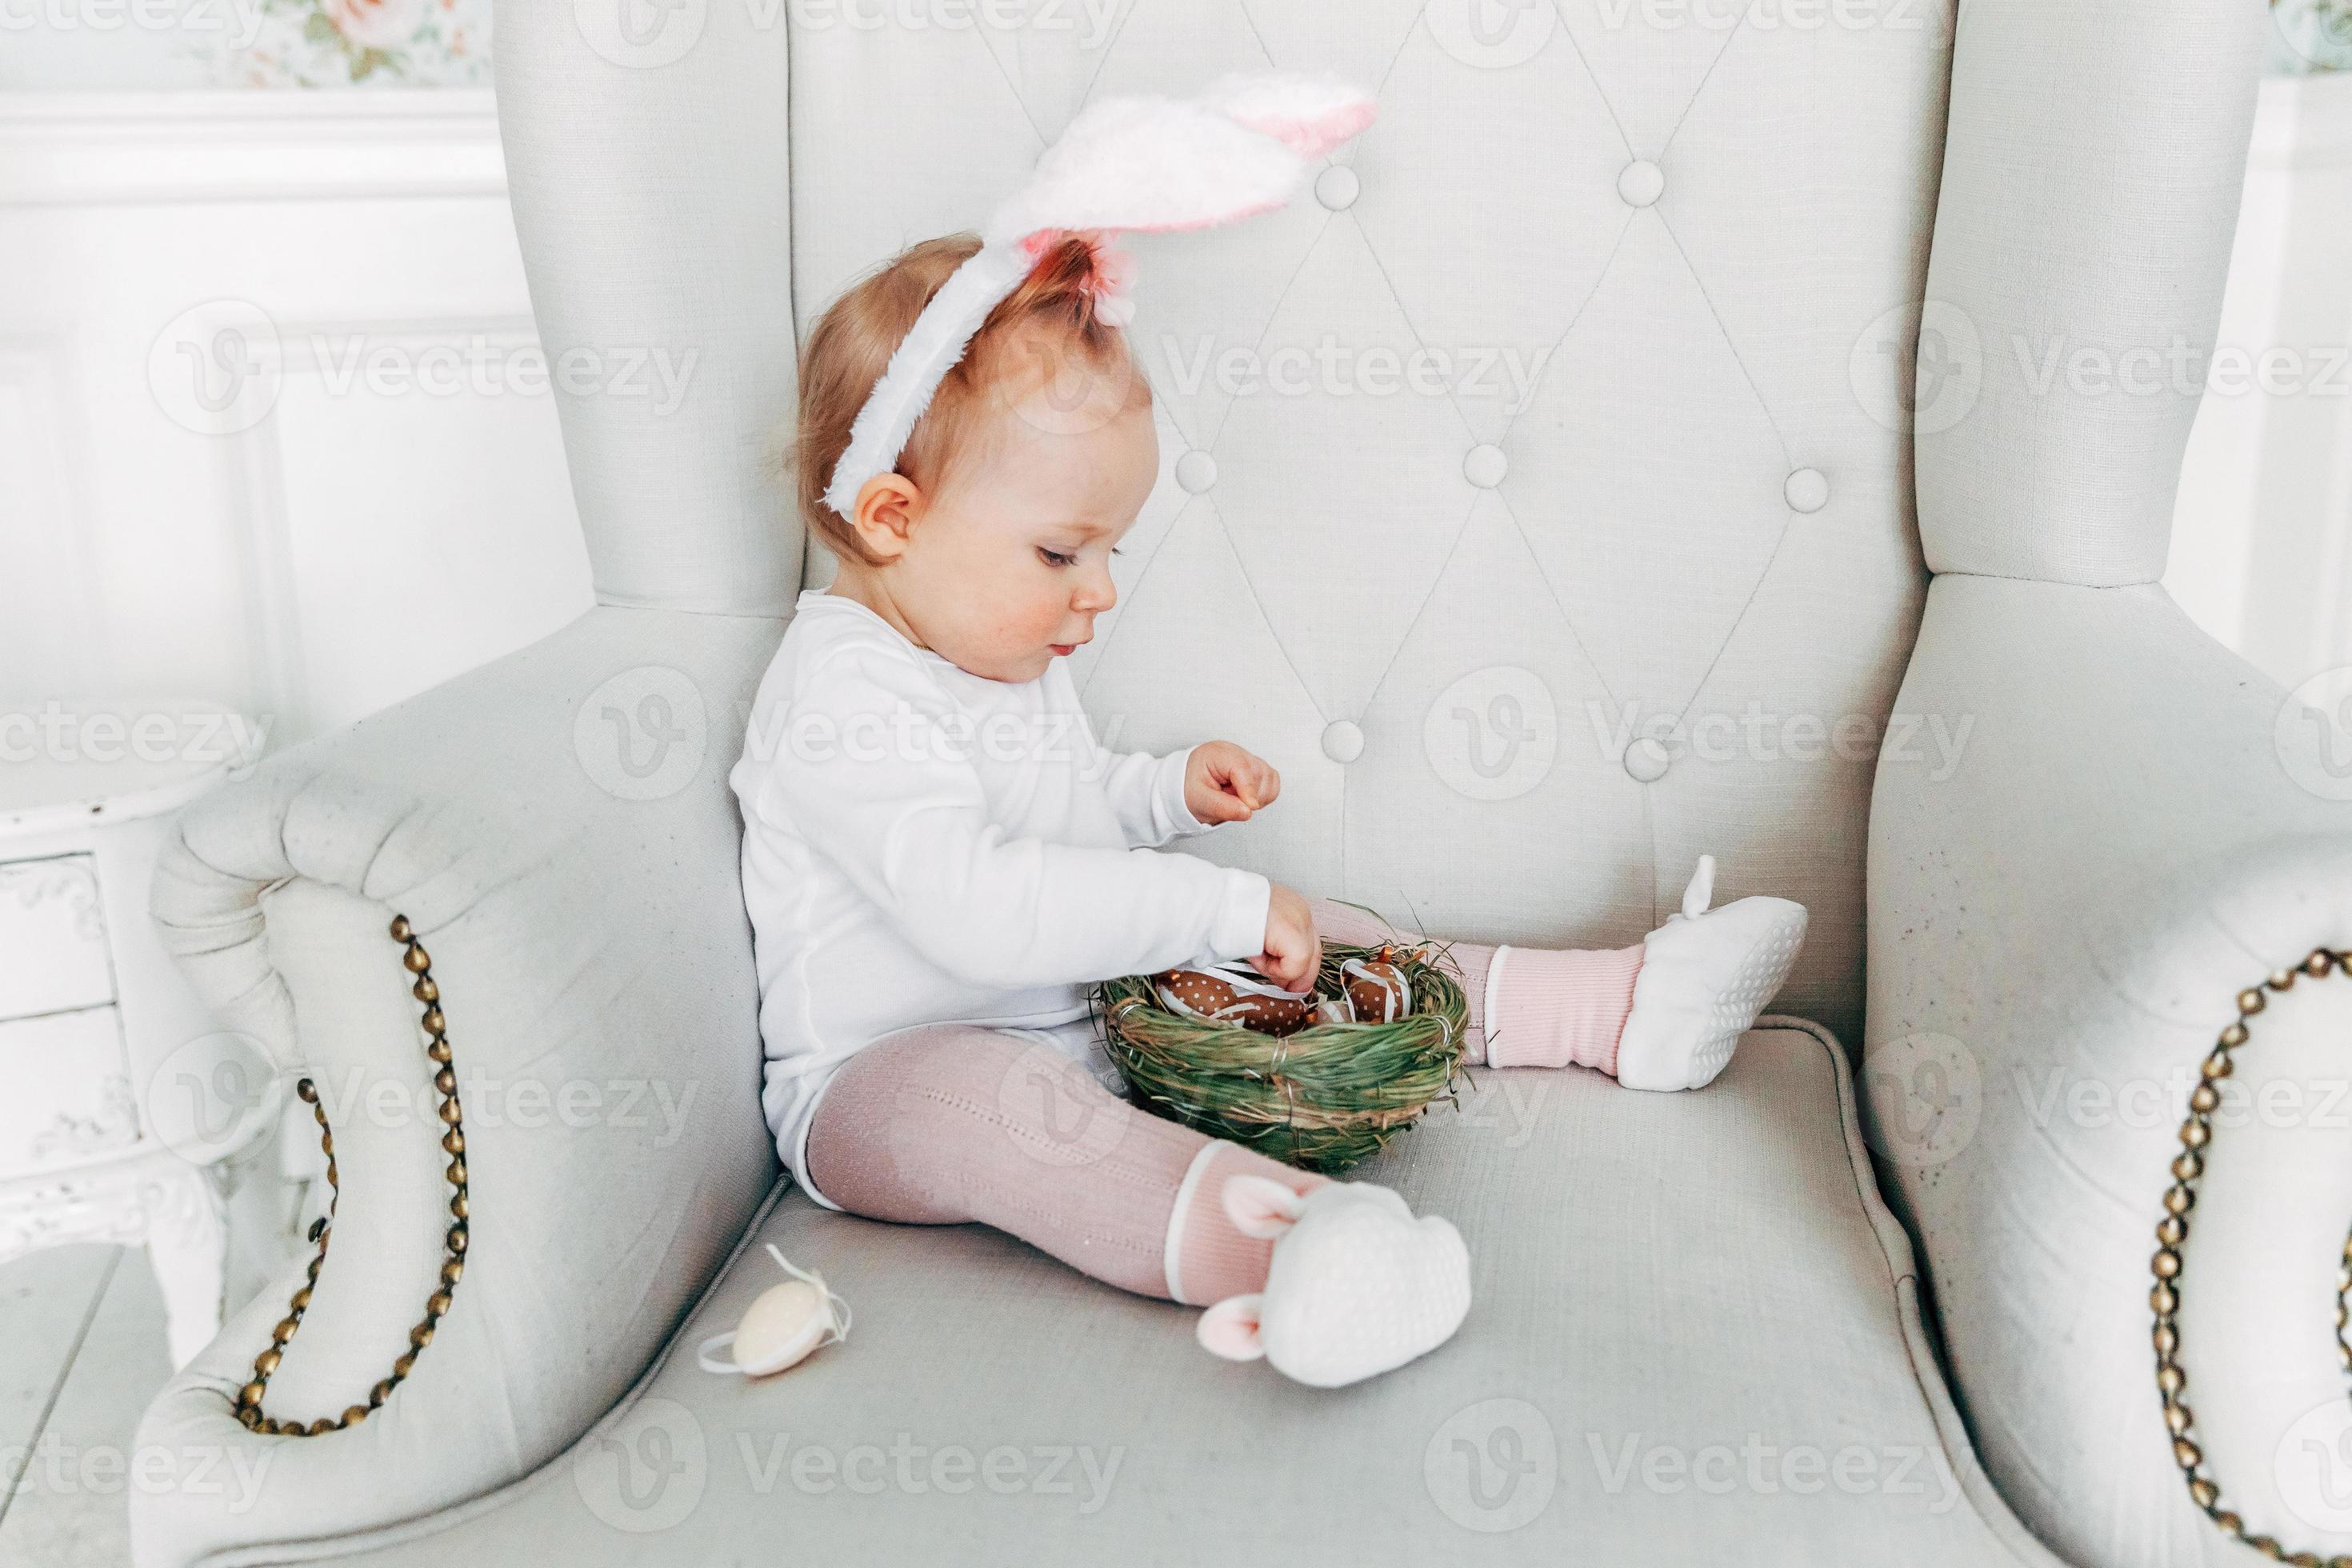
pixel 941 858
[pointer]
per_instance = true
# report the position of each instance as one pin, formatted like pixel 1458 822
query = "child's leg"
pixel 953 1124
pixel 1665 1014
pixel 1529 1006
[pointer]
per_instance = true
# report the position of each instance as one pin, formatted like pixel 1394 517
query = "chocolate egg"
pixel 1378 992
pixel 1233 993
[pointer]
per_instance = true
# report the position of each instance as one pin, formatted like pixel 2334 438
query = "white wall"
pixel 383 502
pixel 2261 547
pixel 372 535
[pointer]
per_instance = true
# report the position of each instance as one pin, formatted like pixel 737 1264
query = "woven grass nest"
pixel 1323 1098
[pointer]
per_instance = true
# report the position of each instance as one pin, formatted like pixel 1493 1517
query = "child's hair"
pixel 1053 310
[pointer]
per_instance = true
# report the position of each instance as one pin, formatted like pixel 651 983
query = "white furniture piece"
pixel 1645 453
pixel 91 1007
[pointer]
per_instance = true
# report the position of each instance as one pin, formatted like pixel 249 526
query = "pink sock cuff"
pixel 1208 1260
pixel 1559 1008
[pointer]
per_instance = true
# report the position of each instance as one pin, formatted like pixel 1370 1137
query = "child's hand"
pixel 1223 782
pixel 1293 950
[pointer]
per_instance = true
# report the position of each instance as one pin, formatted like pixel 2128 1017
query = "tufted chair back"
pixel 1538 491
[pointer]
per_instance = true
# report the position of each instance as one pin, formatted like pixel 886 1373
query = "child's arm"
pixel 873 770
pixel 1147 792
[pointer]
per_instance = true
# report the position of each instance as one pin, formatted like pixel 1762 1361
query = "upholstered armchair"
pixel 1643 441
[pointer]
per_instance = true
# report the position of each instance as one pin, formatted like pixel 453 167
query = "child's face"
pixel 1010 563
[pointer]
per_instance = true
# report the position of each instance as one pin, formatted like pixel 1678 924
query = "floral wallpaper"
pixel 447 43
pixel 358 43
pixel 2311 35
pixel 372 44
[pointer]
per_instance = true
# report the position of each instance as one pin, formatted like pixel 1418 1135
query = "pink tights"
pixel 956 1123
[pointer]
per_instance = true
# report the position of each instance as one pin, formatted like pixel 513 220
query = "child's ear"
pixel 887 510
pixel 1260 1205
pixel 1230 1329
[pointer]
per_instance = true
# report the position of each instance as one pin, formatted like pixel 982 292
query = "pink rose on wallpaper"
pixel 375 24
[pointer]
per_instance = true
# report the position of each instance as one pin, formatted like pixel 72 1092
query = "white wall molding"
pixel 86 149
pixel 259 504
pixel 369 536
pixel 2302 122
pixel 2261 543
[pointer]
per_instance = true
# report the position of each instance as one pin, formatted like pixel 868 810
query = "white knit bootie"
pixel 1705 974
pixel 1357 1284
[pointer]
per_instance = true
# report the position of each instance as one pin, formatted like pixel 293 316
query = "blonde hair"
pixel 1053 309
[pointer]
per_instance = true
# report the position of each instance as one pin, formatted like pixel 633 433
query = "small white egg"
pixel 781 1328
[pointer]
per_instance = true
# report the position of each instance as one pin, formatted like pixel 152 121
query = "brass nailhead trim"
pixel 249 1398
pixel 2172 1231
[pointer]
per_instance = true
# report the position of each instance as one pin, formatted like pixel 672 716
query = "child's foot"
pixel 1357 1285
pixel 1705 974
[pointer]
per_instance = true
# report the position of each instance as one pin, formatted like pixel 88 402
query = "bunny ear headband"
pixel 1242 147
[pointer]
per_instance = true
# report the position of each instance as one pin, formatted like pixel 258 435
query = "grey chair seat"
pixel 1696 1324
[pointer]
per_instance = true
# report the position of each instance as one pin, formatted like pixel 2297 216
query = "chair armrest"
pixel 583 918
pixel 2061 919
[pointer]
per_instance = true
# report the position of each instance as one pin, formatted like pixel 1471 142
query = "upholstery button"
pixel 1808 490
pixel 1336 187
pixel 1196 471
pixel 1640 183
pixel 1342 741
pixel 1645 759
pixel 1483 465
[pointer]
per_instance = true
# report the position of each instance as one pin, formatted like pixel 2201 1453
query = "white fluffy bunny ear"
pixel 1123 164
pixel 1309 112
pixel 1149 163
pixel 1261 1207
pixel 1229 1329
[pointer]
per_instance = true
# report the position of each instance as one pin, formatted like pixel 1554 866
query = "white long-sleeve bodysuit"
pixel 922 845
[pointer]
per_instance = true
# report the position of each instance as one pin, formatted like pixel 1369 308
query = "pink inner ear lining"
pixel 1311 137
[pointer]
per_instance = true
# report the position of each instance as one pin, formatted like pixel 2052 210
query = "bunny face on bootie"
pixel 1357 1285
